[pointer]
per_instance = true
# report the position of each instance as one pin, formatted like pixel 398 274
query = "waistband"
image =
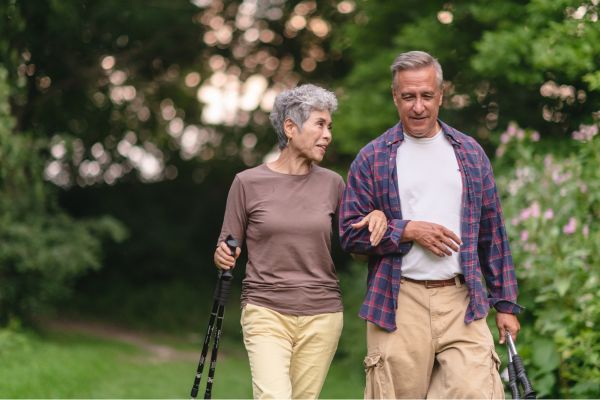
pixel 429 284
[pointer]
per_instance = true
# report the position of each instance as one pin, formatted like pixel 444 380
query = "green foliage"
pixel 42 247
pixel 552 202
pixel 496 56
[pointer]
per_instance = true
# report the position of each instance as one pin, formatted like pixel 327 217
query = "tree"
pixel 43 248
pixel 532 62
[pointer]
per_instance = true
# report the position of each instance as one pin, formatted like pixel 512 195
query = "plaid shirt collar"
pixel 396 134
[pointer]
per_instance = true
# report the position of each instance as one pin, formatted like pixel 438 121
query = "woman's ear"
pixel 288 127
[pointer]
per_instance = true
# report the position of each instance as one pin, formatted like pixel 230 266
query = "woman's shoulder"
pixel 327 174
pixel 253 173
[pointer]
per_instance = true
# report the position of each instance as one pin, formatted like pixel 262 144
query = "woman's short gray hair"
pixel 415 60
pixel 297 104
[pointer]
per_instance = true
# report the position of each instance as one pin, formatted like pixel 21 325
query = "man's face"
pixel 418 99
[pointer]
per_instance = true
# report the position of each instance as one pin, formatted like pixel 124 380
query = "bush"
pixel 43 248
pixel 551 201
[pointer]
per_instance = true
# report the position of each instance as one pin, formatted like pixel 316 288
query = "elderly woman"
pixel 284 211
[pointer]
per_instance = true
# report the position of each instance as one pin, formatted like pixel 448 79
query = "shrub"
pixel 551 200
pixel 43 248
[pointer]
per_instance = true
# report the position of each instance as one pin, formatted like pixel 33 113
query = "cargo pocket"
pixel 497 386
pixel 378 384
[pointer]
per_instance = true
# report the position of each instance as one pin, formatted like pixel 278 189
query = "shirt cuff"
pixel 396 235
pixel 506 306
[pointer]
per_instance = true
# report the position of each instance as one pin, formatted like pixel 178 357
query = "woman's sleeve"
pixel 236 217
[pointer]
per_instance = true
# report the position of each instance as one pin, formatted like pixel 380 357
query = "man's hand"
pixel 223 258
pixel 436 238
pixel 507 322
pixel 377 223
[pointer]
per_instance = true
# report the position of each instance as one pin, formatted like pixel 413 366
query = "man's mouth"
pixel 322 146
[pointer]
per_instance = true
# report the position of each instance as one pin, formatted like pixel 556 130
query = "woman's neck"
pixel 291 164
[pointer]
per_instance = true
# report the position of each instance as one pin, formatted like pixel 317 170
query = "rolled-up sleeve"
pixel 358 200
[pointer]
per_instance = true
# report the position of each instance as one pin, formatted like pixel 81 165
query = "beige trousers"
pixel 289 355
pixel 433 353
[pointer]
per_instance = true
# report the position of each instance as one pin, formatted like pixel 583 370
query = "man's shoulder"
pixel 379 144
pixel 469 142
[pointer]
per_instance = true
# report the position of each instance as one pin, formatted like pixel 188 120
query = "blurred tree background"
pixel 122 125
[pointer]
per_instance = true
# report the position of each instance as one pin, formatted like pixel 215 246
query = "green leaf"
pixel 545 356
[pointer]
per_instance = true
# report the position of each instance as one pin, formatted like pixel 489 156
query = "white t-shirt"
pixel 430 188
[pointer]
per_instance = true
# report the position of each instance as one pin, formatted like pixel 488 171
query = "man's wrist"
pixel 407 233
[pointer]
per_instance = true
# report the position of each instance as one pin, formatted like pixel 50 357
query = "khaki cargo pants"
pixel 433 353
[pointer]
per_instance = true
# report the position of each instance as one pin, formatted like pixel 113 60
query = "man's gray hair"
pixel 297 104
pixel 415 60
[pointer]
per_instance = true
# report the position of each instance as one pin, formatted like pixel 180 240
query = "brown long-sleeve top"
pixel 286 222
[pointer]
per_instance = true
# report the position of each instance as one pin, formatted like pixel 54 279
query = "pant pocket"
pixel 497 386
pixel 378 383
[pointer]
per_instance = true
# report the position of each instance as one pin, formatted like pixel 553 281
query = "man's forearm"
pixel 358 240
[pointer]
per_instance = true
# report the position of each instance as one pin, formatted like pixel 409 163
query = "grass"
pixel 59 365
pixel 47 364
pixel 76 366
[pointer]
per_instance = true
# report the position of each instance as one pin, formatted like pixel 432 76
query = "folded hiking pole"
pixel 516 373
pixel 218 310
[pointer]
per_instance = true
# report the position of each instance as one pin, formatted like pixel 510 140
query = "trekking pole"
pixel 218 309
pixel 519 369
pixel 512 377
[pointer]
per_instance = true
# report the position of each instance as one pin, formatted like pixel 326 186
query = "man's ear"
pixel 394 96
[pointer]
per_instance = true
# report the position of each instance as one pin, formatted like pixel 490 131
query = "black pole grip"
pixel 232 244
pixel 224 289
pixel 512 381
pixel 224 285
pixel 528 392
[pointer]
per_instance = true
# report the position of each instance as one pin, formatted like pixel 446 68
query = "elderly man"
pixel 426 303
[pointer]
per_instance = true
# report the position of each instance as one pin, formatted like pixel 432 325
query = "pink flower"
pixel 535 209
pixel 585 230
pixel 570 227
pixel 535 136
pixel 549 214
pixel 524 236
pixel 520 134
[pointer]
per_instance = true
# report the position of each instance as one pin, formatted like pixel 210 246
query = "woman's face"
pixel 312 140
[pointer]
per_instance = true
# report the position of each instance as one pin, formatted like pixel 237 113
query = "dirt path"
pixel 156 352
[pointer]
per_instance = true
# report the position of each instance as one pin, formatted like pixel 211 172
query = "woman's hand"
pixel 377 223
pixel 223 258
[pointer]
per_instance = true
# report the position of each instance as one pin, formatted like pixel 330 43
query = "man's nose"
pixel 419 106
